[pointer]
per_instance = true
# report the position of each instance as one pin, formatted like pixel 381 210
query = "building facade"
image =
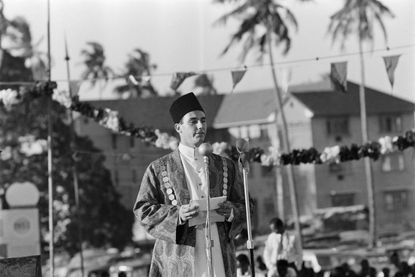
pixel 317 118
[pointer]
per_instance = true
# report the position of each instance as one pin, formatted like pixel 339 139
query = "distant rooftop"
pixel 324 102
pixel 256 107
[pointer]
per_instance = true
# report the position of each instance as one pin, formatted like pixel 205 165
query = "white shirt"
pixel 278 247
pixel 195 177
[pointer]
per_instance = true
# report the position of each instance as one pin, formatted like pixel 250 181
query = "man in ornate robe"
pixel 168 186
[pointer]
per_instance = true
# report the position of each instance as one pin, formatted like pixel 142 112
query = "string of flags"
pixel 338 75
pixel 111 120
pixel 338 72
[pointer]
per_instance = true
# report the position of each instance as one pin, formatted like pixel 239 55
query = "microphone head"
pixel 205 149
pixel 242 145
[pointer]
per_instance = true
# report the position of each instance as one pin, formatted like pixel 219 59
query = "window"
pixel 132 141
pixel 114 141
pixel 335 168
pixel 342 199
pixel 244 131
pixel 393 162
pixel 116 178
pixel 390 124
pixel 234 131
pixel 267 171
pixel 249 131
pixel 254 131
pixel 269 208
pixel 338 126
pixel 264 131
pixel 396 200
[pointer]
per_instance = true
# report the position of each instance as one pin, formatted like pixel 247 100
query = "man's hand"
pixel 187 212
pixel 225 209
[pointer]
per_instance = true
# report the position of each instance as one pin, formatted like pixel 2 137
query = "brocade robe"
pixel 163 190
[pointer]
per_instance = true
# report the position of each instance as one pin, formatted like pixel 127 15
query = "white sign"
pixel 19 230
pixel 22 195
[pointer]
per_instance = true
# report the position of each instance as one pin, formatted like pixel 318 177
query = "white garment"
pixel 278 247
pixel 194 171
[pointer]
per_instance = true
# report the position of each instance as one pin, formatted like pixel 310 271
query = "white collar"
pixel 191 153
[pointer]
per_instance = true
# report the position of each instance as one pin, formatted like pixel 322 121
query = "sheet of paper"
pixel 201 218
pixel 214 203
pixel 214 216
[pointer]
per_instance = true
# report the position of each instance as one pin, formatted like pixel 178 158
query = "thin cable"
pixel 219 69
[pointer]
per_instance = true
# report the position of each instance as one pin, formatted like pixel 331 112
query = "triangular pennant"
pixel 338 76
pixel 391 62
pixel 178 78
pixel 237 76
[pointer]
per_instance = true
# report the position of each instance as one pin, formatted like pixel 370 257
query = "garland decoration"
pixel 110 119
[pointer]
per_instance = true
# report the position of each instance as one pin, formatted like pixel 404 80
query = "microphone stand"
pixel 242 145
pixel 208 231
pixel 206 149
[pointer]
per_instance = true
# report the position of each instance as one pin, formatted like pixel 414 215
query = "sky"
pixel 180 35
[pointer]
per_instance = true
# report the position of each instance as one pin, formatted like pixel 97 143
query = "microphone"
pixel 242 146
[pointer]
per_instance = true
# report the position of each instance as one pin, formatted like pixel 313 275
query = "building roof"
pixel 154 111
pixel 322 100
pixel 244 108
pixel 256 107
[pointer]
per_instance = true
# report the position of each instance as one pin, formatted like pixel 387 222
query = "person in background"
pixel 282 270
pixel 281 244
pixel 260 265
pixel 242 266
pixel 366 270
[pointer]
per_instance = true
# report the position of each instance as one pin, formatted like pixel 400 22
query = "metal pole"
pixel 249 242
pixel 208 234
pixel 49 144
pixel 74 170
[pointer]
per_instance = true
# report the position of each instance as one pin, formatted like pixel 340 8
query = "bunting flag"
pixel 391 62
pixel 237 76
pixel 178 78
pixel 338 76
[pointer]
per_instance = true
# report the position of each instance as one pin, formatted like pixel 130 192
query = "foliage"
pixel 137 75
pixel 103 220
pixel 358 17
pixel 258 17
pixel 17 40
pixel 94 60
pixel 205 82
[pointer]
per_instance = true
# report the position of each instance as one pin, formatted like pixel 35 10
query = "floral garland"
pixel 111 120
pixel 333 154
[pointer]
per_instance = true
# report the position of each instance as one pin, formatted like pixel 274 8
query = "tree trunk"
pixel 286 144
pixel 368 166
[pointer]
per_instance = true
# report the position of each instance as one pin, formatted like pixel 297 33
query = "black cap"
pixel 183 105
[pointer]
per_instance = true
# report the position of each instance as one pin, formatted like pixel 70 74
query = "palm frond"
pixel 236 12
pixel 382 26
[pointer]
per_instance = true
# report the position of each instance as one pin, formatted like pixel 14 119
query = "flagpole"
pixel 74 170
pixel 49 144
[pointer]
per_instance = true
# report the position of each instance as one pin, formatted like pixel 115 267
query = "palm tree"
pixel 205 83
pixel 264 24
pixel 18 42
pixel 358 17
pixel 3 21
pixel 94 60
pixel 137 74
